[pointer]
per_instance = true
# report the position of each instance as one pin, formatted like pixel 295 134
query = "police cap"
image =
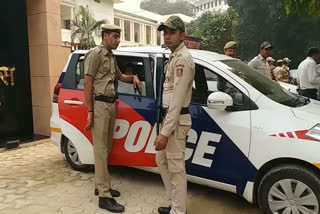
pixel 174 23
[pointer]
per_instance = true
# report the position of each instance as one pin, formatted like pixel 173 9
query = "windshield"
pixel 269 88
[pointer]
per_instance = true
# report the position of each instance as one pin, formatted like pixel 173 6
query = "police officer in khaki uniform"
pixel 100 87
pixel 270 67
pixel 230 49
pixel 177 90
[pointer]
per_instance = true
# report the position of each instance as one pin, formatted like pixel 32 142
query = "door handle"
pixel 73 102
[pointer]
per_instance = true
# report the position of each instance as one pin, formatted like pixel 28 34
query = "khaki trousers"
pixel 102 135
pixel 171 164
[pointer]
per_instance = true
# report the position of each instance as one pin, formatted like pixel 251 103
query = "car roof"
pixel 202 54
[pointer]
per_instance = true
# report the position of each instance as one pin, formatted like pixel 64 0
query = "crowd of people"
pixel 308 78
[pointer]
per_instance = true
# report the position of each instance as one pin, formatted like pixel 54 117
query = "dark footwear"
pixel 164 210
pixel 114 193
pixel 111 205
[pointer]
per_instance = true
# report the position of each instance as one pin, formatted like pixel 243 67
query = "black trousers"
pixel 311 93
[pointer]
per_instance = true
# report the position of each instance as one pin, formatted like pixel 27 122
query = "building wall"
pixel 47 58
pixel 100 11
pixel 209 5
pixel 146 32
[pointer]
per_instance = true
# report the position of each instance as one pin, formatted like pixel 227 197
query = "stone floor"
pixel 36 179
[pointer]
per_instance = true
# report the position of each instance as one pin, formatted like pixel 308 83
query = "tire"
pixel 72 157
pixel 290 189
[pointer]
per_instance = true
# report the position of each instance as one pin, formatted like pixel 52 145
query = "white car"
pixel 249 135
pixel 290 87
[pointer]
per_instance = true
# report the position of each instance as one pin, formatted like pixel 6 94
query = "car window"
pixel 269 88
pixel 206 82
pixel 127 65
pixel 80 73
pixel 130 65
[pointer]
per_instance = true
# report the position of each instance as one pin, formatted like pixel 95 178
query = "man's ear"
pixel 183 34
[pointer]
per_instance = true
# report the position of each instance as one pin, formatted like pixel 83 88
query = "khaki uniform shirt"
pixel 276 71
pixel 177 89
pixel 270 69
pixel 283 75
pixel 259 63
pixel 286 68
pixel 102 66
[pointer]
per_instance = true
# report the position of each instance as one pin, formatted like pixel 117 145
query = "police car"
pixel 249 135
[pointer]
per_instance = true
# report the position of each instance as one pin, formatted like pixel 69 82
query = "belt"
pixel 105 99
pixel 164 111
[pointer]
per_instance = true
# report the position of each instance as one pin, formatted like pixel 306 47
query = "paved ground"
pixel 37 179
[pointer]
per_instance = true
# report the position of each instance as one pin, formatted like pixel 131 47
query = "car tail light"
pixel 56 92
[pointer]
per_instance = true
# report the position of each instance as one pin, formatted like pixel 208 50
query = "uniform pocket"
pixel 176 162
pixel 185 120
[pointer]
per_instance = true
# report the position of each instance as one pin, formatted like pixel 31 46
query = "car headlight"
pixel 314 132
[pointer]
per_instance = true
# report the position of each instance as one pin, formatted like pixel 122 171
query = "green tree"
pixel 308 7
pixel 165 7
pixel 263 20
pixel 215 28
pixel 83 25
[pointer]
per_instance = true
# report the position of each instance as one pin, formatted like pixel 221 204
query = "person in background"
pixel 286 64
pixel 230 49
pixel 309 78
pixel 278 68
pixel 259 62
pixel 270 67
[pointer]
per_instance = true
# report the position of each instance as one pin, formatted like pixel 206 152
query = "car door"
pixel 219 141
pixel 71 102
pixel 135 129
pixel 135 117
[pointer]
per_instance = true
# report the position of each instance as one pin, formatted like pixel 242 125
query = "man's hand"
pixel 137 84
pixel 161 142
pixel 89 121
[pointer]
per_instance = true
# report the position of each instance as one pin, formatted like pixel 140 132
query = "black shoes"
pixel 164 210
pixel 110 205
pixel 114 193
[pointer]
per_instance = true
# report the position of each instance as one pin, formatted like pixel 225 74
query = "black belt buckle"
pixel 105 99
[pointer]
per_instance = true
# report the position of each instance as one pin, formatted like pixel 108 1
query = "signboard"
pixel 192 42
pixel 15 90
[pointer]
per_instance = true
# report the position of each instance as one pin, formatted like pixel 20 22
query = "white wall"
pixel 143 25
pixel 102 10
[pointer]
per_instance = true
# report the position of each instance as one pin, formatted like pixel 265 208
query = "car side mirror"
pixel 219 101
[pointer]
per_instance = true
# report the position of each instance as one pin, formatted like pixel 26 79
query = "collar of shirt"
pixel 175 52
pixel 105 51
pixel 261 57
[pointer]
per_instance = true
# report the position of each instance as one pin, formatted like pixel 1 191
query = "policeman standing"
pixel 230 49
pixel 177 90
pixel 100 88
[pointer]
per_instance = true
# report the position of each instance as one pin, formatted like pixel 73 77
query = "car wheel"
pixel 290 189
pixel 72 157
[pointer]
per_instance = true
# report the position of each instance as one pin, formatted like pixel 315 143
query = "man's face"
pixel 265 52
pixel 270 62
pixel 172 38
pixel 232 52
pixel 111 40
